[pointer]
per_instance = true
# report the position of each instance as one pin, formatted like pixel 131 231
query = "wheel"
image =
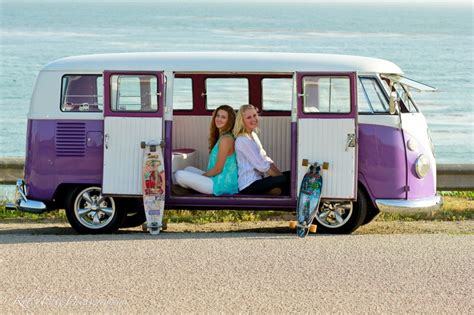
pixel 89 212
pixel 313 228
pixel 341 217
pixel 133 219
pixel 292 225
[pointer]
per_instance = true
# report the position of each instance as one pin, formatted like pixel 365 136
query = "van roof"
pixel 223 62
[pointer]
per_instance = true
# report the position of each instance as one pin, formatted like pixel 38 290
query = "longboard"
pixel 308 199
pixel 153 185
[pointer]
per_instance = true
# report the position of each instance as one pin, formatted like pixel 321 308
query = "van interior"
pixel 195 97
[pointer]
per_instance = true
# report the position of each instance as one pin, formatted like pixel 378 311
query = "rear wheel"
pixel 341 217
pixel 89 212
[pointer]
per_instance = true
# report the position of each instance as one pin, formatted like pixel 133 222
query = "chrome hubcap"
pixel 334 214
pixel 92 209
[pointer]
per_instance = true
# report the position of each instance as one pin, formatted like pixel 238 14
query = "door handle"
pixel 351 141
pixel 106 141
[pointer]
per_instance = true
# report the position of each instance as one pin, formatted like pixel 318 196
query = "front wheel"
pixel 89 212
pixel 341 217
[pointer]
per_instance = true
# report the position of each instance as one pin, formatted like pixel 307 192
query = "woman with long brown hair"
pixel 221 175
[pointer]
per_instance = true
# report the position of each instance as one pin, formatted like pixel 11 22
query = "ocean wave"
pixel 36 34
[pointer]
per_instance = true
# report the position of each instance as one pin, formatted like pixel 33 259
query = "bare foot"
pixel 275 191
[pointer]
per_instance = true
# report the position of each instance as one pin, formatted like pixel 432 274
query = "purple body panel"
pixel 419 187
pixel 382 163
pixel 60 152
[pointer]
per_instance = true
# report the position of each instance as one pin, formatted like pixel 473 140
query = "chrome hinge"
pixel 351 141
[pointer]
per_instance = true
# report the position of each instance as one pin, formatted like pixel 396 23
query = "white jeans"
pixel 191 177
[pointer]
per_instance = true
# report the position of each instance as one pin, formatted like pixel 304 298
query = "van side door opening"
pixel 191 123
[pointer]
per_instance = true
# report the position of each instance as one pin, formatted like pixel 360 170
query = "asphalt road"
pixel 60 272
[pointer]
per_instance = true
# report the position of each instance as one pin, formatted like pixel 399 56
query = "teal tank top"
pixel 226 181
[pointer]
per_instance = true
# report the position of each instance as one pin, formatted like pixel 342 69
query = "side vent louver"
pixel 70 139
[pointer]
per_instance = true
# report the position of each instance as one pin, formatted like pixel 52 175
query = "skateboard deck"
pixel 153 184
pixel 308 200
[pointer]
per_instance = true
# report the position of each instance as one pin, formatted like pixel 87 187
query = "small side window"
pixel 134 93
pixel 82 93
pixel 230 91
pixel 326 94
pixel 374 94
pixel 277 94
pixel 183 94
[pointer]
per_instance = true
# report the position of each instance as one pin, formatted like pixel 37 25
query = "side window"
pixel 183 94
pixel 326 94
pixel 374 95
pixel 277 94
pixel 134 93
pixel 230 91
pixel 82 93
pixel 363 103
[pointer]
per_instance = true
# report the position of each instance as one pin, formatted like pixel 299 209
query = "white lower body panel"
pixel 123 157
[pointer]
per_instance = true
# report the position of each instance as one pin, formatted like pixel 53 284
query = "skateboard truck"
pixel 152 144
pixel 305 162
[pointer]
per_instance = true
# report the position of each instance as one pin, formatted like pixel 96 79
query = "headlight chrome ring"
pixel 422 166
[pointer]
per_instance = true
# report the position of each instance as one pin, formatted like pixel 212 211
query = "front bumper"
pixel 24 204
pixel 409 206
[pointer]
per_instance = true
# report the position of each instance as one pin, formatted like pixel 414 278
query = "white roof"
pixel 223 62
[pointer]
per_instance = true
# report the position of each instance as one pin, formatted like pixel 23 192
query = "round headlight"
pixel 412 145
pixel 422 166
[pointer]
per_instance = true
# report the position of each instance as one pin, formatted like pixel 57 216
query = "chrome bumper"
pixel 409 206
pixel 22 203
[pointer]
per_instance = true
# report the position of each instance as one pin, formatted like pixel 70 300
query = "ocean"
pixel 431 43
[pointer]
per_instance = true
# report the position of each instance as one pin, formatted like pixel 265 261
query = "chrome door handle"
pixel 106 141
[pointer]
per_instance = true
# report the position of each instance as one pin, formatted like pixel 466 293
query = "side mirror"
pixel 392 106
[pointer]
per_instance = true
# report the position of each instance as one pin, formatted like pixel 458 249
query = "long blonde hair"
pixel 239 128
pixel 214 132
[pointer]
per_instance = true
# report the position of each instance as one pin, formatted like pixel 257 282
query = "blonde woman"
pixel 221 175
pixel 258 174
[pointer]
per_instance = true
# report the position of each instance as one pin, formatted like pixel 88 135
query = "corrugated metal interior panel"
pixel 275 135
pixel 324 140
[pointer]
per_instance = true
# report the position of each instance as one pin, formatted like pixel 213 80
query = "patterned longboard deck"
pixel 308 201
pixel 153 185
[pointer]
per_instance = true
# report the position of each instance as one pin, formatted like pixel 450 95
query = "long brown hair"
pixel 214 132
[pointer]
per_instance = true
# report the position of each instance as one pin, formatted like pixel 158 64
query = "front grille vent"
pixel 70 139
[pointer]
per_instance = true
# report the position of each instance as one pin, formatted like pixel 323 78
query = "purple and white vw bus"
pixel 89 114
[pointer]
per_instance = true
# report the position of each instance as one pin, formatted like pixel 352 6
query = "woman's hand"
pixel 274 171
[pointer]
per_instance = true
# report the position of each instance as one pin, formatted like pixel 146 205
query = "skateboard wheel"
pixel 292 225
pixel 313 228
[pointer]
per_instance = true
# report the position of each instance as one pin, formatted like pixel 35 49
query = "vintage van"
pixel 89 114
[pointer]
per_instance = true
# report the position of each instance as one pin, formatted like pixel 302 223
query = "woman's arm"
pixel 226 148
pixel 251 151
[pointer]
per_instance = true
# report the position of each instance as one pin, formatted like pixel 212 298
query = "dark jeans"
pixel 264 185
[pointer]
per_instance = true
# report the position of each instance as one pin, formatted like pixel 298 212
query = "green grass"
pixel 458 206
